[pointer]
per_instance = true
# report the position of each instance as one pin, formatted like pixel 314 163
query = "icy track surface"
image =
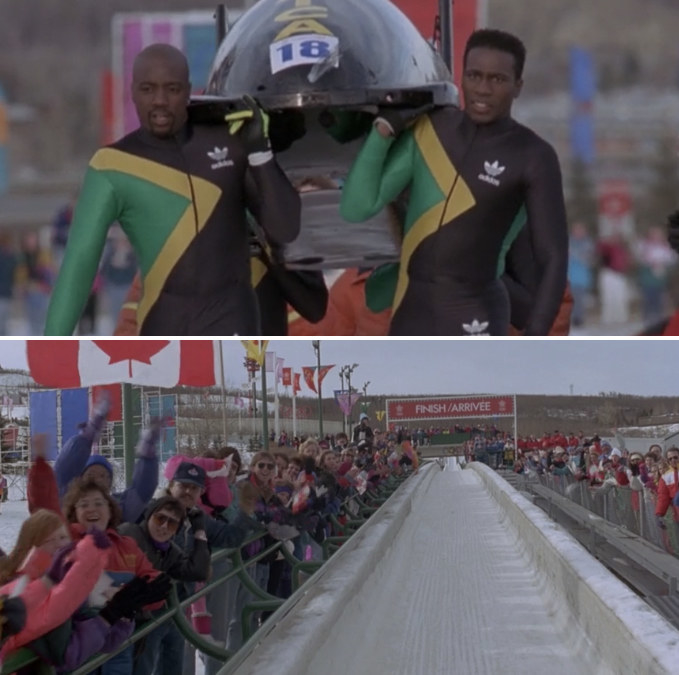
pixel 456 595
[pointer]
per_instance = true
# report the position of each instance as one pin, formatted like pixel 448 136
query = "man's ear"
pixel 519 86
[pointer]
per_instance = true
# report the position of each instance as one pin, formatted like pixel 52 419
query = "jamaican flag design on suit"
pixel 468 197
pixel 182 203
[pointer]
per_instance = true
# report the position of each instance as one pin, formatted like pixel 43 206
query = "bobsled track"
pixel 458 573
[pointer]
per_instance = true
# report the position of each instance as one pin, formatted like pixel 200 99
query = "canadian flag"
pixel 159 363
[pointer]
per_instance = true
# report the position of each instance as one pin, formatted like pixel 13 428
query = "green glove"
pixel 252 124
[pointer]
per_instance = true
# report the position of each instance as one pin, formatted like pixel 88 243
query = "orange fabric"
pixel 347 312
pixel 562 323
pixel 127 319
pixel 672 327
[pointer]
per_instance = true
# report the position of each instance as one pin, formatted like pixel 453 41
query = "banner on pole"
pixel 346 400
pixel 324 370
pixel 279 368
pixel 255 349
pixel 308 372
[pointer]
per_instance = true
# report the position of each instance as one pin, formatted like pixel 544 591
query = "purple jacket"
pixel 92 636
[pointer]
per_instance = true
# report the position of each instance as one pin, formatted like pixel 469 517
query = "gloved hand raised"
pixel 252 125
pixel 148 441
pixel 100 538
pixel 197 519
pixel 12 616
pixel 673 230
pixel 124 603
pixel 60 563
pixel 397 119
pixel 134 595
pixel 155 590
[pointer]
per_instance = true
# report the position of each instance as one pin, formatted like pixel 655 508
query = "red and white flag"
pixel 309 377
pixel 159 363
pixel 286 376
pixel 323 372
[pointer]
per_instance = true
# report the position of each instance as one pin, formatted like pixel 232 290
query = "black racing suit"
pixel 472 188
pixel 182 202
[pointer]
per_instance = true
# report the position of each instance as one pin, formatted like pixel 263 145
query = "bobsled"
pixel 322 68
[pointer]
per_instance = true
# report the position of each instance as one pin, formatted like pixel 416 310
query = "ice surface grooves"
pixel 454 595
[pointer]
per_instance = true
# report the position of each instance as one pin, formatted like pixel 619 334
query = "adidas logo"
pixel 476 327
pixel 219 155
pixel 492 171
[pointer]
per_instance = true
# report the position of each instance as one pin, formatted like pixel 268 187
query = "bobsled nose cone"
pixel 326 54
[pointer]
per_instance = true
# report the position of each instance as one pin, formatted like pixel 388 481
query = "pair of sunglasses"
pixel 265 465
pixel 161 519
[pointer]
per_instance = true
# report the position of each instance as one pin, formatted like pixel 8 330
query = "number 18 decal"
pixel 299 50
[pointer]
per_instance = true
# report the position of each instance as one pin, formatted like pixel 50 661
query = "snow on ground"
pixel 14 512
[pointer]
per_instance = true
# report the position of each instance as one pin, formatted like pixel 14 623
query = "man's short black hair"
pixel 500 40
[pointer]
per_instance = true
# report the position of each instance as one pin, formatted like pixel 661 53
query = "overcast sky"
pixel 467 366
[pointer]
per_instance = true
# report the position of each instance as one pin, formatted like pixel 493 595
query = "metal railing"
pixel 356 509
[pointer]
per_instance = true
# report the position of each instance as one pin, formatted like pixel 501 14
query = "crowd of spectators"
pixel 650 478
pixel 90 566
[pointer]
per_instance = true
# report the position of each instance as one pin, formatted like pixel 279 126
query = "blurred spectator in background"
pixel 613 288
pixel 118 267
pixel 581 251
pixel 60 227
pixel 8 265
pixel 36 276
pixel 655 260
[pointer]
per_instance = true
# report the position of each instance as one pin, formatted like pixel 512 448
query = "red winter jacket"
pixel 47 605
pixel 667 488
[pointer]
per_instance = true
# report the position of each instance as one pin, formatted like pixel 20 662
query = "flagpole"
pixel 221 373
pixel 240 419
pixel 128 432
pixel 265 408
pixel 317 348
pixel 277 425
pixel 294 406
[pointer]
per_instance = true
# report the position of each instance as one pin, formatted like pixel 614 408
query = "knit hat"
pixel 363 416
pixel 616 452
pixel 101 460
